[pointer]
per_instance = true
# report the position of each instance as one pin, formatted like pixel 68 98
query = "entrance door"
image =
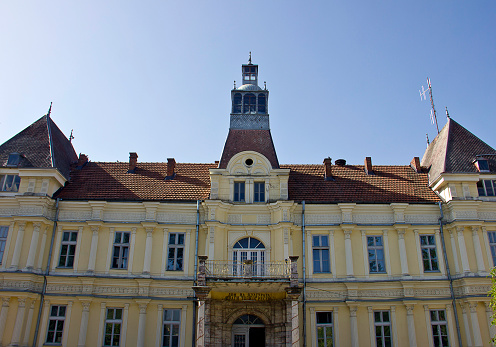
pixel 248 331
pixel 248 257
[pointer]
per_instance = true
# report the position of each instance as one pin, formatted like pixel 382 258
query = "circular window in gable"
pixel 249 162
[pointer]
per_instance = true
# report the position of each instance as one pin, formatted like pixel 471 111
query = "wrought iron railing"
pixel 247 269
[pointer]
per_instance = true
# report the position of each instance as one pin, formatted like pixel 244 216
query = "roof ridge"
pixel 50 140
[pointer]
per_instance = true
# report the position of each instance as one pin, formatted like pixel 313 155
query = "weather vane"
pixel 249 59
pixel 71 137
pixel 433 110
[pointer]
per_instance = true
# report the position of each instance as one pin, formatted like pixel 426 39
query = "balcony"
pixel 228 270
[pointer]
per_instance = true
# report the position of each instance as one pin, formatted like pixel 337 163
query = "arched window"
pixel 248 319
pixel 237 103
pixel 248 257
pixel 249 103
pixel 262 103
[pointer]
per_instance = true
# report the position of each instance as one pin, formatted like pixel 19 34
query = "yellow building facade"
pixel 245 251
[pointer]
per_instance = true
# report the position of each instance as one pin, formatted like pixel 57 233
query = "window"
pixel 320 253
pixel 55 324
pixel 237 103
pixel 486 188
pixel 121 250
pixel 248 258
pixel 249 73
pixel 481 164
pixel 249 103
pixel 324 329
pixel 172 321
pixel 490 234
pixel 239 191
pixel 68 249
pixel 4 231
pixel 176 251
pixel 9 183
pixel 429 254
pixel 382 325
pixel 113 324
pixel 261 103
pixel 14 159
pixel 439 328
pixel 376 254
pixel 259 192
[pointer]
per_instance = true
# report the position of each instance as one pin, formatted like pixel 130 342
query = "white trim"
pixel 99 342
pixel 182 323
pixel 164 251
pixel 333 254
pixel 109 250
pixel 78 248
pixel 56 254
pixel 313 327
pixel 386 252
pixel 132 241
pixel 187 246
pixel 455 252
pixel 158 335
pixel 365 254
pixel 393 326
pixel 124 325
pixel 419 252
pixel 439 250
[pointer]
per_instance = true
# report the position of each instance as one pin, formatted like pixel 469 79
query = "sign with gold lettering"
pixel 248 296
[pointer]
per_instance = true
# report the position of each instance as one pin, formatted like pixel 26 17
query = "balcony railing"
pixel 247 269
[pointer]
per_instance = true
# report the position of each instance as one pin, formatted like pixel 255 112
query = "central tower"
pixel 249 128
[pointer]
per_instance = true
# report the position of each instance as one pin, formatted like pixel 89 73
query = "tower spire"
pixel 249 59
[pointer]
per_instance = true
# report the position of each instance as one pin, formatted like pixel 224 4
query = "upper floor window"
pixel 320 253
pixel 249 73
pixel 249 103
pixel 486 188
pixel 492 244
pixel 14 159
pixel 68 249
pixel 262 102
pixel 56 324
pixel 481 164
pixel 9 183
pixel 237 99
pixel 382 325
pixel 429 253
pixel 113 324
pixel 325 329
pixel 439 328
pixel 176 251
pixel 4 231
pixel 375 249
pixel 121 250
pixel 171 323
pixel 239 191
pixel 259 190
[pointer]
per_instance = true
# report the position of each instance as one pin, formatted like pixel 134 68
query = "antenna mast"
pixel 433 109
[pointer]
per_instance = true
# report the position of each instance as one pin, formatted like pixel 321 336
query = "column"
pixel 44 319
pixel 365 254
pixel 7 246
pixel 386 252
pixel 182 337
pixel 187 247
pixel 33 246
pixel 141 325
pixel 3 316
pixel 29 321
pixel 164 252
pixel 109 250
pixel 371 326
pixel 93 247
pixel 58 241
pixel 489 318
pixel 451 327
pixel 402 248
pixel 348 252
pixel 393 326
pixel 335 320
pixel 295 329
pixel 428 325
pixel 439 251
pixel 453 249
pixel 200 325
pixel 465 325
pixel 354 326
pixel 419 252
pixel 67 323
pixel 475 324
pixel 131 252
pixel 101 326
pixel 14 265
pixel 160 319
pixel 310 253
pixel 124 324
pixel 463 249
pixel 313 327
pixel 211 243
pixel 85 315
pixel 16 333
pixel 78 249
pixel 333 253
pixel 148 251
pixel 410 319
pixel 478 250
pixel 39 266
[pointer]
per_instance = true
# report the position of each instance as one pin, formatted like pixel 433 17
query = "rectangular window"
pixel 239 191
pixel 113 325
pixel 320 253
pixel 429 253
pixel 121 250
pixel 259 192
pixel 375 249
pixel 68 249
pixel 4 231
pixel 324 329
pixel 9 183
pixel 172 322
pixel 486 188
pixel 439 328
pixel 492 244
pixel 176 251
pixel 55 324
pixel 382 325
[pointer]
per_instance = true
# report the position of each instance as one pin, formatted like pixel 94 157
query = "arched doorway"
pixel 248 331
pixel 249 251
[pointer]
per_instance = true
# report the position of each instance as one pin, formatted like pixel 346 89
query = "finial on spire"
pixel 234 84
pixel 427 136
pixel 249 59
pixel 265 85
pixel 70 136
pixel 49 110
pixel 447 113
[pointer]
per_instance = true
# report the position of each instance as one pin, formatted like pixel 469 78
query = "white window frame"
pixel 381 324
pixel 320 249
pixel 171 324
pixel 436 326
pixel 68 243
pixel 3 179
pixel 483 183
pixel 56 318
pixel 261 193
pixel 4 234
pixel 324 326
pixel 241 190
pixel 121 247
pixel 429 247
pixel 175 246
pixel 114 322
pixel 374 248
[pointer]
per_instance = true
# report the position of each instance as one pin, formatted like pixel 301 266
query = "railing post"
pixel 293 278
pixel 202 271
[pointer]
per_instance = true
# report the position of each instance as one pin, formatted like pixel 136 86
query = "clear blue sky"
pixel 154 77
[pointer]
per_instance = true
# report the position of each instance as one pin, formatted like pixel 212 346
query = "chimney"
pixel 340 162
pixel 82 161
pixel 368 166
pixel 328 169
pixel 415 164
pixel 133 161
pixel 217 163
pixel 171 165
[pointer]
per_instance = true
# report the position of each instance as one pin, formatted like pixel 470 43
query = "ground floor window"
pixel 324 329
pixel 382 324
pixel 113 325
pixel 172 322
pixel 56 324
pixel 439 328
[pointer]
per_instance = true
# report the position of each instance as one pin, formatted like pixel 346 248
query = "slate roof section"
pixel 453 151
pixel 240 140
pixel 41 145
pixel 110 181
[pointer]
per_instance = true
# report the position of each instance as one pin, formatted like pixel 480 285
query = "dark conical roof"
pixel 41 145
pixel 454 150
